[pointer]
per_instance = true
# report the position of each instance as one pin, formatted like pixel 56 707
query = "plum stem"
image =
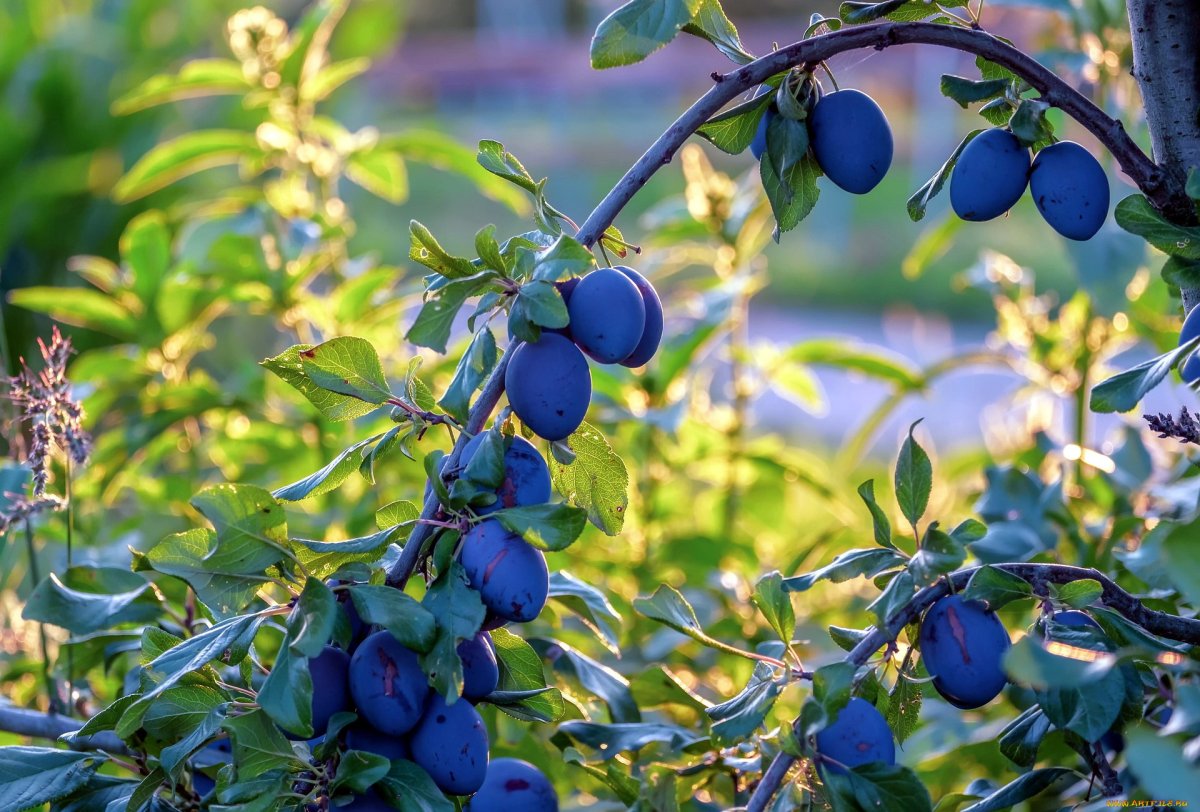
pixel 1180 629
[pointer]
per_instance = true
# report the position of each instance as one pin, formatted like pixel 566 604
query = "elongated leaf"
pixel 184 156
pixel 596 480
pixel 348 366
pixel 1021 789
pixel 81 307
pixel 521 672
pixel 550 527
pixel 847 565
pixel 196 79
pixel 1125 390
pixel 930 189
pixel 380 172
pixel 32 776
pixel 326 479
pixel 914 478
pixel 79 611
pixel 638 29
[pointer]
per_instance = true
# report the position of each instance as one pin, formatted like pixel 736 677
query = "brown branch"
pixel 51 726
pixel 1181 629
pixel 1053 89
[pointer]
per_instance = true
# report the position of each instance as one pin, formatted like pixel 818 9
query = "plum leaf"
pixel 348 366
pixel 775 603
pixel 596 480
pixel 914 478
pixel 1022 789
pixel 638 29
pixel 549 527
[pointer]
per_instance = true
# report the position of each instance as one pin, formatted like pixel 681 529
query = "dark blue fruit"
pixel 509 575
pixel 512 784
pixel 212 756
pixel 851 140
pixel 652 332
pixel 330 671
pixel 990 176
pixel 1190 370
pixel 607 315
pixel 565 288
pixel 481 672
pixel 549 386
pixel 859 735
pixel 361 736
pixel 963 645
pixel 758 146
pixel 387 683
pixel 1073 617
pixel 368 802
pixel 526 476
pixel 451 744
pixel 1070 189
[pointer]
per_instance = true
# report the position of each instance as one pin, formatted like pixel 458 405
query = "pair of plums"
pixel 1068 185
pixel 615 317
pixel 511 785
pixel 848 135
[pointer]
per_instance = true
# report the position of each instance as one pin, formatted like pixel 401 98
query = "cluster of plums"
pixel 616 317
pixel 848 135
pixel 1068 185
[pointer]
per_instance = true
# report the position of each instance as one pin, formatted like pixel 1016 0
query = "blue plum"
pixel 214 754
pixel 859 735
pixel 361 736
pixel 330 672
pixel 1070 189
pixel 481 672
pixel 652 332
pixel 509 574
pixel 1190 369
pixel 963 644
pixel 565 288
pixel 526 475
pixel 608 315
pixel 370 801
pixel 549 386
pixel 851 140
pixel 387 683
pixel 990 176
pixel 451 744
pixel 1073 617
pixel 758 146
pixel 512 784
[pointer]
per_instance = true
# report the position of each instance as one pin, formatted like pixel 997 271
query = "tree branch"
pixel 38 725
pixel 1181 629
pixel 1053 89
pixel 478 416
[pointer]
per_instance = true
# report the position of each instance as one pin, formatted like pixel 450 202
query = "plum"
pixel 509 574
pixel 481 672
pixel 990 176
pixel 214 754
pixel 361 736
pixel 451 744
pixel 549 386
pixel 608 315
pixel 512 784
pixel 1190 369
pixel 851 140
pixel 565 288
pixel 1070 189
pixel 758 147
pixel 1073 617
pixel 963 644
pixel 330 672
pixel 859 735
pixel 526 476
pixel 370 801
pixel 387 683
pixel 652 332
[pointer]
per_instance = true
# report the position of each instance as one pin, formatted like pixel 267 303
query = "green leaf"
pixel 1021 738
pixel 939 553
pixel 967 91
pixel 590 604
pixel 442 152
pixel 596 480
pixel 173 756
pixel 396 513
pixel 521 672
pixel 408 621
pixel 879 519
pixel 347 366
pixel 563 258
pixel 611 775
pixel 287 693
pixel 496 159
pixel 381 172
pixel 914 478
pixel 410 789
pixel 358 770
pixel 185 556
pixel 1029 124
pixel 258 746
pixel 436 319
pixel 602 681
pixel 733 130
pixel 540 303
pixel 32 776
pixel 332 76
pixel 181 710
pixel 81 307
pixel 874 362
pixel 1125 390
pixel 904 707
pixel 550 527
pixel 328 478
pixel 856 13
pixel 251 528
pixel 1137 216
pixel 146 248
pixel 184 156
pixel 1022 789
pixel 1183 570
pixel 472 370
pixel 895 596
pixel 1029 663
pixel 668 606
pixel 932 187
pixel 878 787
pixel 793 196
pixel 459 613
pixel 1079 594
pixel 111 598
pixel 847 565
pixel 196 79
pixel 996 587
pixel 775 603
pixel 847 639
pixel 311 622
pixel 289 366
pixel 1181 273
pixel 183 659
pixel 1160 764
pixel 710 22
pixel 426 250
pixel 609 741
pixel 738 718
pixel 638 29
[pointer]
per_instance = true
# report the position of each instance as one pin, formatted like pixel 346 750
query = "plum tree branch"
pixel 51 726
pixel 1163 624
pixel 1148 177
pixel 478 416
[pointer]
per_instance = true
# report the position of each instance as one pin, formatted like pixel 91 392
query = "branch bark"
pixel 1180 629
pixel 38 725
pixel 1166 65
pixel 1053 89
